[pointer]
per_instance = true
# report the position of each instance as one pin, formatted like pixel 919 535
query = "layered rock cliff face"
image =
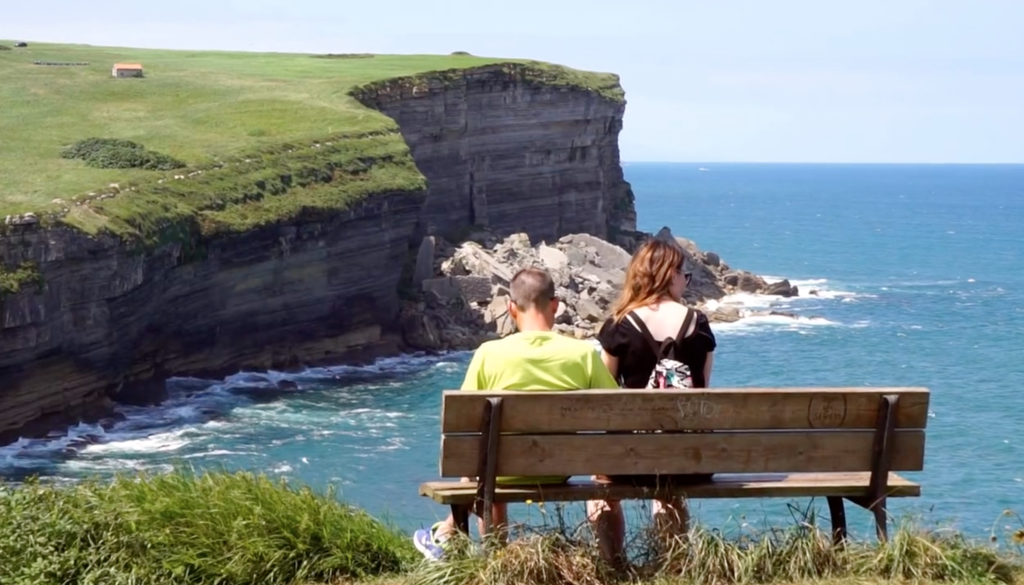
pixel 105 322
pixel 109 323
pixel 503 152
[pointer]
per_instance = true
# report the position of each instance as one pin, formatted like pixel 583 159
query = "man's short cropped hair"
pixel 532 288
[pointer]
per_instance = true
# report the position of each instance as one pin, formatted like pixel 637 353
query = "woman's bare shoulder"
pixel 664 320
pixel 663 309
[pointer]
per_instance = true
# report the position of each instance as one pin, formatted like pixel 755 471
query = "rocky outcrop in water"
pixel 463 288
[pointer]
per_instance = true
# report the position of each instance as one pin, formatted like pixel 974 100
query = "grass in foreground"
pixel 195 106
pixel 801 554
pixel 184 528
pixel 241 528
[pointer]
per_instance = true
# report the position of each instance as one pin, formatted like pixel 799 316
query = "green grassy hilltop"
pixel 191 105
pixel 264 111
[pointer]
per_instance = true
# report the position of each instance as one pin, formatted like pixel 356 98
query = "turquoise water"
pixel 920 280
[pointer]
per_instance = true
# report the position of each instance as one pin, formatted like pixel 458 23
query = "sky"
pixel 896 81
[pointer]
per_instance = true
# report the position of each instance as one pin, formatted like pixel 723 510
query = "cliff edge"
pixel 513 148
pixel 293 254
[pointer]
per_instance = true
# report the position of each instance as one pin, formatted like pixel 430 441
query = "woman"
pixel 651 299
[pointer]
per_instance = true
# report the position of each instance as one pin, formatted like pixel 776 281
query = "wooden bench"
pixel 834 443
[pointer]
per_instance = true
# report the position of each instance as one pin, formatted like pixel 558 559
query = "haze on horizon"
pixel 746 81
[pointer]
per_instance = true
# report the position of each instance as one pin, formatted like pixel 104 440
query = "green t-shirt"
pixel 537 360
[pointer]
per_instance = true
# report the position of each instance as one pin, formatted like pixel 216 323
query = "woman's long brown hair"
pixel 649 276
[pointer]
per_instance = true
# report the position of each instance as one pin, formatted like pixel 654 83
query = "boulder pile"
pixel 461 290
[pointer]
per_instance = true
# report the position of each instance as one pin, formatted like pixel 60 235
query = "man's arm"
pixel 600 377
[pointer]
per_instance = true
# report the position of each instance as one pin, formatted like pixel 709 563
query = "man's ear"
pixel 553 306
pixel 513 310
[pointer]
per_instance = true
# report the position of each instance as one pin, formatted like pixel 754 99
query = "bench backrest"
pixel 756 430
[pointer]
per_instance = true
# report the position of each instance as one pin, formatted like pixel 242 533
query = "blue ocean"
pixel 918 273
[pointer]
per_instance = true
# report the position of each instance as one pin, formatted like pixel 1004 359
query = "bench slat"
pixel 718 409
pixel 664 453
pixel 722 486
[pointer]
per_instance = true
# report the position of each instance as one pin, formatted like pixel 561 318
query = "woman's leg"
pixel 609 527
pixel 671 518
pixel 499 518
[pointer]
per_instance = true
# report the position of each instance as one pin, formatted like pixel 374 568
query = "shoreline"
pixel 137 425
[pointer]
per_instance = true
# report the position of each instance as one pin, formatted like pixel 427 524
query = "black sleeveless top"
pixel 636 357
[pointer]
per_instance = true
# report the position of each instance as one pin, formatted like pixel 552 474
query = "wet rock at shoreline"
pixel 782 288
pixel 464 302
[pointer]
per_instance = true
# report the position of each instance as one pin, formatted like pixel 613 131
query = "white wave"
pixel 756 323
pixel 813 288
pixel 403 364
pixel 926 283
pixel 303 417
pixel 844 296
pixel 809 282
pixel 195 412
pixel 217 453
pixel 158 443
pixel 32 453
pixel 750 305
pixel 105 464
pixel 376 412
pixel 745 301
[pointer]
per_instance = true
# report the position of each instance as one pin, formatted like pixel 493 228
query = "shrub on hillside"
pixel 132 158
pixel 183 528
pixel 115 153
pixel 4 48
pixel 462 53
pixel 84 149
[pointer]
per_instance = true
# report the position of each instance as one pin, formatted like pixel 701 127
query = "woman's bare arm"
pixel 707 368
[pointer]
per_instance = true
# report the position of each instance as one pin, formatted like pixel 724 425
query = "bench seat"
pixel 724 485
pixel 842 444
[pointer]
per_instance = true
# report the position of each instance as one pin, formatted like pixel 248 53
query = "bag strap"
pixel 690 314
pixel 639 324
pixel 656 347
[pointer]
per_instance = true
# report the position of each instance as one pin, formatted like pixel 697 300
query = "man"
pixel 534 358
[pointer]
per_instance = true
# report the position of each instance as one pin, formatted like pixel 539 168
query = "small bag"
pixel 668 372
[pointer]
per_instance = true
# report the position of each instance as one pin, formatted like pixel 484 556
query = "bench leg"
pixel 881 520
pixel 877 508
pixel 460 514
pixel 837 511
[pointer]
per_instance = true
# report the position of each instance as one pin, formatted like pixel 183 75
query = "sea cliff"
pixel 506 150
pixel 200 275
